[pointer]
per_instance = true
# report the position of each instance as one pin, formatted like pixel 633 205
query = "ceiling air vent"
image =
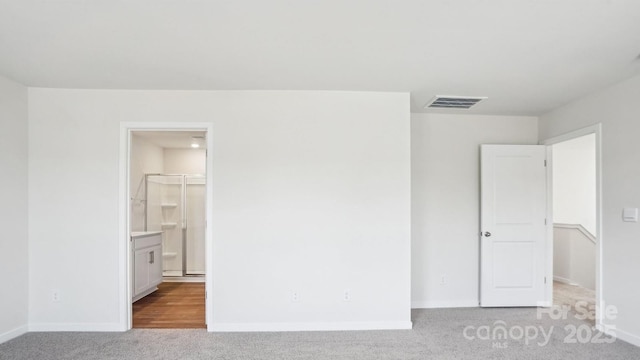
pixel 453 102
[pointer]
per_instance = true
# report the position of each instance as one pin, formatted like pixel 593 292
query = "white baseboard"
pixel 14 333
pixel 107 327
pixel 338 326
pixel 620 334
pixel 444 304
pixel 564 280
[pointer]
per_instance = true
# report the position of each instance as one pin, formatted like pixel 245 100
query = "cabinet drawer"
pixel 142 242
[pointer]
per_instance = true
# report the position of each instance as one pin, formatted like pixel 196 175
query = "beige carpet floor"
pixel 465 333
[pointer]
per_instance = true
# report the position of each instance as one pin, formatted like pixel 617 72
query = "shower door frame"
pixel 184 217
pixel 124 244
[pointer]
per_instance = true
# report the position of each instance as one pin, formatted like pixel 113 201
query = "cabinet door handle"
pixel 153 257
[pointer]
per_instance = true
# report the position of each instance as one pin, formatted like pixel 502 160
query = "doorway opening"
pixel 168 264
pixel 574 221
pixel 577 242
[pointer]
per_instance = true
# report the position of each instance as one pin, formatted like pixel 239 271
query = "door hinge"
pixel 545 279
pixel 545 163
pixel 545 221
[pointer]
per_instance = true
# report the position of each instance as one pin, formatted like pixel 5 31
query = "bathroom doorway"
pixel 169 203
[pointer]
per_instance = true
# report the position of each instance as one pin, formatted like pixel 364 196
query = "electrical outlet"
pixel 443 280
pixel 346 296
pixel 55 295
pixel 295 296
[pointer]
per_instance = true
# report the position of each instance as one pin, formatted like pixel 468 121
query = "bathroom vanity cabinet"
pixel 147 263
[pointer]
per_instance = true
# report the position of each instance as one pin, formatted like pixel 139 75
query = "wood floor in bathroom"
pixel 174 305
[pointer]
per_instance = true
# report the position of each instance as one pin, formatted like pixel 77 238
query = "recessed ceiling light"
pixel 196 140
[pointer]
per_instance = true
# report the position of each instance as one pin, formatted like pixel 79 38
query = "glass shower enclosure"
pixel 176 206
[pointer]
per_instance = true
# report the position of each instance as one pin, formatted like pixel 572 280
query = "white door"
pixel 513 225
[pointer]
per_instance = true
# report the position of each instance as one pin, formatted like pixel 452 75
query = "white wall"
pixel 13 212
pixel 185 161
pixel 574 257
pixel 618 109
pixel 311 193
pixel 574 182
pixel 445 177
pixel 146 158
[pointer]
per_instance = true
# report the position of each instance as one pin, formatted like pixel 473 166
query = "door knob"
pixel 487 234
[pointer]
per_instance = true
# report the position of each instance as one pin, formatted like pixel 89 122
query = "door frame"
pixel 597 130
pixel 124 243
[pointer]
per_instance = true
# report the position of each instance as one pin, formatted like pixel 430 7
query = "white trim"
pixel 593 129
pixel 209 243
pixel 548 294
pixel 564 280
pixel 13 333
pixel 311 326
pixel 577 227
pixel 89 327
pixel 445 304
pixel 124 245
pixel 597 130
pixel 612 330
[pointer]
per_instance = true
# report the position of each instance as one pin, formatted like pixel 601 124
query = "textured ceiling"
pixel 527 56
